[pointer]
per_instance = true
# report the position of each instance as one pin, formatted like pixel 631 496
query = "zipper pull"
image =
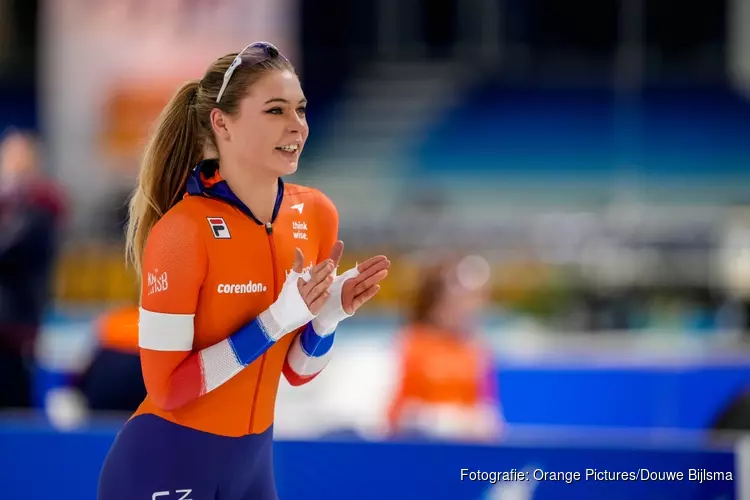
pixel 269 228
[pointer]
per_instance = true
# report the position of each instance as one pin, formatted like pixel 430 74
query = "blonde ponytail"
pixel 173 150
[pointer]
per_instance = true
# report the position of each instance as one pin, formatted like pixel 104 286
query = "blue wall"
pixel 676 395
pixel 694 131
pixel 37 463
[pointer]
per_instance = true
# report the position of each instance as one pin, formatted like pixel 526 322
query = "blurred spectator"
pixel 31 208
pixel 733 263
pixel 447 386
pixel 113 381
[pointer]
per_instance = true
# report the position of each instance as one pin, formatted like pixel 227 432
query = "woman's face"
pixel 465 295
pixel 17 158
pixel 270 128
pixel 459 309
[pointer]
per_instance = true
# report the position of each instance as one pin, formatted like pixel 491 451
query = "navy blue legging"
pixel 154 459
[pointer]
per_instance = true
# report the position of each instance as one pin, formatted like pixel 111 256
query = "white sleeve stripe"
pixel 164 331
pixel 219 363
pixel 304 365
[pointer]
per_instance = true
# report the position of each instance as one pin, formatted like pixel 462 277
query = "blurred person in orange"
pixel 113 381
pixel 447 384
pixel 238 284
pixel 32 208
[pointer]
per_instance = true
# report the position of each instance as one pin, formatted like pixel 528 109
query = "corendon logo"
pixel 241 288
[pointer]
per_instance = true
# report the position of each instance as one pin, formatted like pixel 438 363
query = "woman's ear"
pixel 219 124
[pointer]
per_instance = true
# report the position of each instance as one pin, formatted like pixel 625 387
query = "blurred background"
pixel 562 189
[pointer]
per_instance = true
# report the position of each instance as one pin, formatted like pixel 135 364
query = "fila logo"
pixel 298 207
pixel 219 228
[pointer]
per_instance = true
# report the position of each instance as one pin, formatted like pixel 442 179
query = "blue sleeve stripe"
pixel 313 344
pixel 250 341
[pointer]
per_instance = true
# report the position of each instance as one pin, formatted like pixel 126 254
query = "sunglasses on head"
pixel 254 53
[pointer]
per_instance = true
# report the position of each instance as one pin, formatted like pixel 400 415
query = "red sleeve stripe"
pixel 294 378
pixel 185 384
pixel 201 373
pixel 303 365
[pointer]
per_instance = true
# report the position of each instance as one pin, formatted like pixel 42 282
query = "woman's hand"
pixel 359 289
pixel 315 291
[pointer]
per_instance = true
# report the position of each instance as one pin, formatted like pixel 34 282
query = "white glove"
pixel 332 312
pixel 289 312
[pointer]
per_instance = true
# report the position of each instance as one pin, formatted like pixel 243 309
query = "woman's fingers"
pixel 372 269
pixel 336 252
pixel 317 275
pixel 372 261
pixel 318 290
pixel 362 298
pixel 358 290
pixel 370 281
pixel 317 304
pixel 299 261
pixel 321 279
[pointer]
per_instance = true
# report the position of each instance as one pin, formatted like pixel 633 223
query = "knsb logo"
pixel 242 288
pixel 157 282
pixel 219 228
